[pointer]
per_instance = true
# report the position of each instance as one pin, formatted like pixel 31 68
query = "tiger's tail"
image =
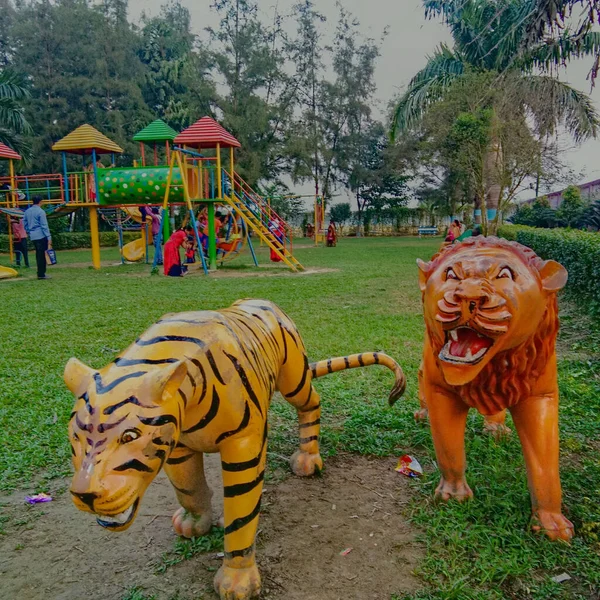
pixel 354 361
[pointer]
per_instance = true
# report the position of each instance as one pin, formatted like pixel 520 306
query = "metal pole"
pixel 13 187
pixel 11 250
pixel 197 236
pixel 66 176
pixel 212 239
pixel 95 236
pixel 94 218
pixel 219 173
pixel 250 244
pixel 232 172
pixel 120 231
pixel 186 195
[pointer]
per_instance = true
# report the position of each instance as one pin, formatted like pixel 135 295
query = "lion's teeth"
pixel 454 335
pixel 469 355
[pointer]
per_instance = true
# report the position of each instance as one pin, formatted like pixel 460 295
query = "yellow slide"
pixel 7 273
pixel 136 251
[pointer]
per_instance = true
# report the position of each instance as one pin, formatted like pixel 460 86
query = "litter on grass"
pixel 345 552
pixel 409 466
pixel 38 498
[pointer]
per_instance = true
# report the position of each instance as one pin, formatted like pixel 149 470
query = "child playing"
pixel 190 250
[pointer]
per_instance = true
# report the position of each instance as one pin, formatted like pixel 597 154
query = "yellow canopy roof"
pixel 85 139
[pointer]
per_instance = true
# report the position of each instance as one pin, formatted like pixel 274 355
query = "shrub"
pixel 578 251
pixel 71 240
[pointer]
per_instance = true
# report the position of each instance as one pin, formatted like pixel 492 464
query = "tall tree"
pixel 81 62
pixel 547 18
pixel 6 23
pixel 177 83
pixel 375 173
pixel 306 56
pixel 13 124
pixel 488 37
pixel 256 102
pixel 338 110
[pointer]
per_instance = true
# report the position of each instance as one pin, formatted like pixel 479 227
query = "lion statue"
pixel 491 316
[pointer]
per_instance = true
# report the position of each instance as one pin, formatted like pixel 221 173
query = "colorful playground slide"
pixel 7 273
pixel 136 251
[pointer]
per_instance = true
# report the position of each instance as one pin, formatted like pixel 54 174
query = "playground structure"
pixel 10 200
pixel 319 220
pixel 197 176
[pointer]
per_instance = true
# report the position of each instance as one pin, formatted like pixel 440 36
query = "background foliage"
pixel 578 251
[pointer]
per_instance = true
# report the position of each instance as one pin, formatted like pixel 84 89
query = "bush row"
pixel 578 251
pixel 71 241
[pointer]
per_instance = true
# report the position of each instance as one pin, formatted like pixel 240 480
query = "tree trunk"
pixel 359 220
pixel 493 187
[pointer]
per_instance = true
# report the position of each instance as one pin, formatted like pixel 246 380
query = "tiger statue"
pixel 195 383
pixel 491 317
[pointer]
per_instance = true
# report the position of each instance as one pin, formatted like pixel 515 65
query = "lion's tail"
pixel 354 361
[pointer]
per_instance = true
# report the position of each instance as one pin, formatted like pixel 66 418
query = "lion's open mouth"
pixel 120 520
pixel 465 346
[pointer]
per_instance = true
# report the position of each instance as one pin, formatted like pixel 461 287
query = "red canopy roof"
pixel 6 152
pixel 206 133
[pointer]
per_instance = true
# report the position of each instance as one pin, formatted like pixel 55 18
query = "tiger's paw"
pixel 237 584
pixel 304 464
pixel 190 525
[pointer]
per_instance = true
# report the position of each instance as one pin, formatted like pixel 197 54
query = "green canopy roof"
pixel 157 131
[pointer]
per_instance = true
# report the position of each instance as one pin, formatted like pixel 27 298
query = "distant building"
pixel 589 192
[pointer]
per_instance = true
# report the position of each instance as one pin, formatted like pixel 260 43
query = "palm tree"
pixel 13 123
pixel 497 37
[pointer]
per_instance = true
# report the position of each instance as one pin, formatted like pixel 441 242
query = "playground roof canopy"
pixel 8 153
pixel 207 133
pixel 157 131
pixel 84 139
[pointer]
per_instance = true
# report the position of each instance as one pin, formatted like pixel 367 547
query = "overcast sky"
pixel 411 38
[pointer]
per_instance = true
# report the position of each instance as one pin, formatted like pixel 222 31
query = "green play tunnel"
pixel 138 185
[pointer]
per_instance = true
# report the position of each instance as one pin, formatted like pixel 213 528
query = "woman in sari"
pixel 171 259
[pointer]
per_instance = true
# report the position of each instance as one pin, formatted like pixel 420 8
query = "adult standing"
pixel 36 226
pixel 20 241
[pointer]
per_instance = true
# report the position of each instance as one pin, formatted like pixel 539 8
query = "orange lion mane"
pixel 509 377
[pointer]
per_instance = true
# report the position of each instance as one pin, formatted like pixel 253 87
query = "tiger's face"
pixel 481 299
pixel 120 437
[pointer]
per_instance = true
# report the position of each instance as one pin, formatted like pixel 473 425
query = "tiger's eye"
pixel 450 274
pixel 129 436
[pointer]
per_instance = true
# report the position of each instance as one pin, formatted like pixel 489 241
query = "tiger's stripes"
pixel 194 383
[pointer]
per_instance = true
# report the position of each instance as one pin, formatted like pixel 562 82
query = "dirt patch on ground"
pixel 52 551
pixel 255 272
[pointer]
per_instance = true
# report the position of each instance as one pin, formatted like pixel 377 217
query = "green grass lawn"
pixel 480 550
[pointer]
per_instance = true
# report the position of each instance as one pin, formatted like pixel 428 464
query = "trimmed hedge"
pixel 578 251
pixel 71 241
